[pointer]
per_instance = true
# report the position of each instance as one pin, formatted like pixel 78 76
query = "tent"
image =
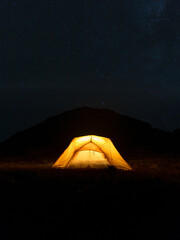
pixel 91 151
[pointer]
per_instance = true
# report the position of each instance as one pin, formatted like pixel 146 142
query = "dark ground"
pixel 45 203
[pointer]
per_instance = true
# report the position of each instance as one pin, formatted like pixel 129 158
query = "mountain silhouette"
pixel 47 140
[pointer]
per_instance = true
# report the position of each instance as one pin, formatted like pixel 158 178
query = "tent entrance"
pixel 88 158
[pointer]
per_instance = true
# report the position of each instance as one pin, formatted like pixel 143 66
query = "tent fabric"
pixel 90 146
pixel 88 158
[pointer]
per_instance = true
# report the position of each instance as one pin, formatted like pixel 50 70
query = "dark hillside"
pixel 47 140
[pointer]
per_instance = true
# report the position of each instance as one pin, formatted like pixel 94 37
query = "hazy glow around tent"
pixel 91 151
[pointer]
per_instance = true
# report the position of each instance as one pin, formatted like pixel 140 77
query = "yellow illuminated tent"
pixel 91 151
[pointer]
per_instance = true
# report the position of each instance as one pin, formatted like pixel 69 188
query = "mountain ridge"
pixel 48 139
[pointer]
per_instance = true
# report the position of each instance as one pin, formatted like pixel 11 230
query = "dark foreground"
pixel 47 203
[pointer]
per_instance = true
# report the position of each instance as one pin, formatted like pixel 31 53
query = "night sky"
pixel 56 55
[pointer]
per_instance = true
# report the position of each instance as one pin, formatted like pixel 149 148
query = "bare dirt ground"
pixel 43 203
